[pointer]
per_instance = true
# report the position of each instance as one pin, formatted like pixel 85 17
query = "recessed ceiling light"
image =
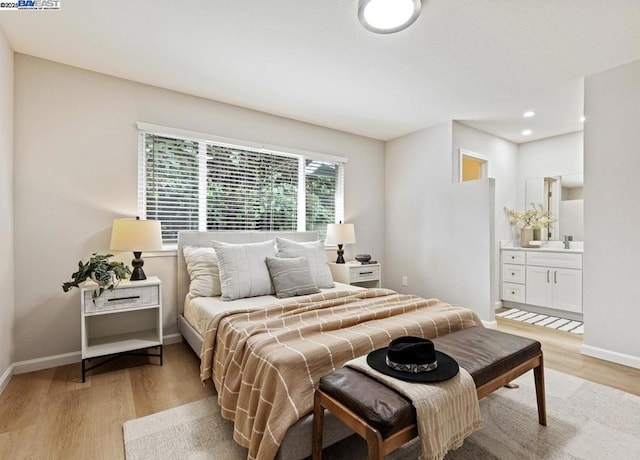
pixel 526 132
pixel 582 119
pixel 529 114
pixel 388 16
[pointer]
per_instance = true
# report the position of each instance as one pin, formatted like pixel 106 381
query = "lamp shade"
pixel 341 234
pixel 136 235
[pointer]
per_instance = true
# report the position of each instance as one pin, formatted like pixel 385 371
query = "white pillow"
pixel 202 265
pixel 314 252
pixel 243 270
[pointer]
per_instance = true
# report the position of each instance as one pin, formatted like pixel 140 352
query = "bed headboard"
pixel 205 239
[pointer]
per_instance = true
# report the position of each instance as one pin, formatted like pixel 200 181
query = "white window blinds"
pixel 170 184
pixel 250 191
pixel 321 183
pixel 191 184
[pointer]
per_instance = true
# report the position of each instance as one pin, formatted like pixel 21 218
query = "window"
pixel 321 185
pixel 473 166
pixel 194 184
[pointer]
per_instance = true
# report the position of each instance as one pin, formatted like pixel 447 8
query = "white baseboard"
pixel 613 356
pixel 5 378
pixel 47 362
pixel 497 306
pixel 171 338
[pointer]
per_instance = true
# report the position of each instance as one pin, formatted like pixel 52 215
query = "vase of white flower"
pixel 532 222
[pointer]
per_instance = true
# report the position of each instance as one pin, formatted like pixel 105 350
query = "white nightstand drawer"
pixel 122 298
pixel 366 276
pixel 514 292
pixel 364 273
pixel 513 273
pixel 513 257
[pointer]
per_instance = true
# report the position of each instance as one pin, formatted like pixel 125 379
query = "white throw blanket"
pixel 447 412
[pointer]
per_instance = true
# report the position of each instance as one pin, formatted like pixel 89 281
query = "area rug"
pixel 553 322
pixel 585 420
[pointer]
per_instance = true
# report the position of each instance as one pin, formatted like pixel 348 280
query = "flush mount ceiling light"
pixel 388 16
pixel 526 132
pixel 529 114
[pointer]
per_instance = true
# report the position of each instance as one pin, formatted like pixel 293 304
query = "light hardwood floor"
pixel 562 353
pixel 50 414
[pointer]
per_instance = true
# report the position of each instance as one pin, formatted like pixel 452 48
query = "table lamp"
pixel 137 236
pixel 340 234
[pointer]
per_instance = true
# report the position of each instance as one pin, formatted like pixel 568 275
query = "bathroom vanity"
pixel 549 277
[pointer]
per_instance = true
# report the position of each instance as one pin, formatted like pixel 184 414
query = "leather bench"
pixel 386 419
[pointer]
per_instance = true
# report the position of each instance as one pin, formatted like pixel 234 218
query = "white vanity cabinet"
pixel 554 280
pixel 550 279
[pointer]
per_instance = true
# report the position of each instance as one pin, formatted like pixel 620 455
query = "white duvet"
pixel 199 310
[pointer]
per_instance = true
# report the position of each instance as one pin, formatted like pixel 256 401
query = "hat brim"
pixel 447 368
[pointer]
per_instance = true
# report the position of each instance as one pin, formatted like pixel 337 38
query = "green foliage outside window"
pixel 240 189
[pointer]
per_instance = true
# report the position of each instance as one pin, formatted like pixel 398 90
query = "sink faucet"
pixel 567 241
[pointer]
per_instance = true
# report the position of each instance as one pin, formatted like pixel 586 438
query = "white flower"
pixel 536 217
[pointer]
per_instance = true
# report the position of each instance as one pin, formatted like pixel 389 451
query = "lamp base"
pixel 138 273
pixel 340 259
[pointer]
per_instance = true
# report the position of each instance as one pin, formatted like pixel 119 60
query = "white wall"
pixel 553 156
pixel 76 170
pixel 503 160
pixel 612 220
pixel 438 233
pixel 6 206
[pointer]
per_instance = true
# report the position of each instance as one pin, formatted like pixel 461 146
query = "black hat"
pixel 413 359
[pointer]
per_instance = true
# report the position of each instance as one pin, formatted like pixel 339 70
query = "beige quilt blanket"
pixel 266 364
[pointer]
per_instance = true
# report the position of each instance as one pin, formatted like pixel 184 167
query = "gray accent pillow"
pixel 291 276
pixel 243 271
pixel 314 252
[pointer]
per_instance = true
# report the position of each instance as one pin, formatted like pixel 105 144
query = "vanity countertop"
pixel 550 246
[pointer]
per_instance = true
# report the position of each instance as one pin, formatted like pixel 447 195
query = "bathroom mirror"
pixel 563 197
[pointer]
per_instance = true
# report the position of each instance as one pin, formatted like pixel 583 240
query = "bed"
pixel 266 355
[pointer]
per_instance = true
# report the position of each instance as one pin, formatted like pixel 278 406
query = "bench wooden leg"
pixel 538 374
pixel 375 445
pixel 318 422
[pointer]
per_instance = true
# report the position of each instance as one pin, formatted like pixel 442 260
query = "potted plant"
pixel 530 222
pixel 106 274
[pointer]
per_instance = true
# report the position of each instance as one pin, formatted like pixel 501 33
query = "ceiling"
pixel 483 62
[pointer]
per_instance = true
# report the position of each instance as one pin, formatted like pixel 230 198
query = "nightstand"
pixel 121 322
pixel 356 274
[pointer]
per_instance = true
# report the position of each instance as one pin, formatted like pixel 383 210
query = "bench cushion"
pixel 384 408
pixel 484 353
pixel 487 353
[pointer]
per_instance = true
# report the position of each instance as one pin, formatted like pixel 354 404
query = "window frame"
pixel 204 138
pixel 477 157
